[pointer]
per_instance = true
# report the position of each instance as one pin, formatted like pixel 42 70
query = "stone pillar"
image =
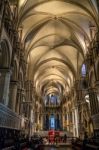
pixel 94 105
pixel 38 118
pixel 63 117
pixel 13 94
pixel 67 121
pixel 28 110
pixel 44 121
pixel 73 121
pixel 2 10
pixel 41 122
pixel 76 121
pixel 4 85
pixel 97 91
pixel 18 103
pixel 55 115
pixel 19 106
pixel 98 4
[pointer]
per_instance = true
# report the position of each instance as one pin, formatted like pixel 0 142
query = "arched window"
pixel 53 99
pixel 83 70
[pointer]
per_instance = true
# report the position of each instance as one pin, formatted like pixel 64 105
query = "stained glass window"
pixel 83 70
pixel 52 122
pixel 53 99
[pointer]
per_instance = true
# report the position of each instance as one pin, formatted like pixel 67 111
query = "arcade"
pixel 49 74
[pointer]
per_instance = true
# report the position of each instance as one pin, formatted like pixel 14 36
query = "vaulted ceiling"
pixel 54 33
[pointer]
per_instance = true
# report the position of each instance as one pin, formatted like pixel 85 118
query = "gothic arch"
pixel 4 54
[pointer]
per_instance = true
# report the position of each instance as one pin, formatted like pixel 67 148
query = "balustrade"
pixel 8 118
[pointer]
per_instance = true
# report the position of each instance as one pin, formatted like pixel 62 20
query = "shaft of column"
pixel 13 94
pixel 93 102
pixel 4 86
pixel 17 107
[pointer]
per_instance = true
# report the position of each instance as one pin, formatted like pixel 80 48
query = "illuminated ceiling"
pixel 54 33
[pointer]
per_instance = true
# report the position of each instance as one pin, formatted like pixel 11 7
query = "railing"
pixel 85 144
pixel 20 143
pixel 8 148
pixel 8 118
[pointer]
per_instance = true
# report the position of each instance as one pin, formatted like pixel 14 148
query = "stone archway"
pixel 4 54
pixel 5 72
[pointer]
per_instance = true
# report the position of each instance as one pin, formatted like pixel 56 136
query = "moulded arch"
pixel 4 54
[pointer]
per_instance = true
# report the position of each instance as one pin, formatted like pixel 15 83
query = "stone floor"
pixel 57 148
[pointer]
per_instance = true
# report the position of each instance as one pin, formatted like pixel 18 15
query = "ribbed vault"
pixel 54 33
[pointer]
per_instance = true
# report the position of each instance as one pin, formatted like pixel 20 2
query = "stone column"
pixel 2 10
pixel 97 91
pixel 19 107
pixel 18 103
pixel 76 121
pixel 13 94
pixel 73 121
pixel 41 122
pixel 38 118
pixel 98 5
pixel 67 121
pixel 93 102
pixel 4 85
pixel 55 115
pixel 63 117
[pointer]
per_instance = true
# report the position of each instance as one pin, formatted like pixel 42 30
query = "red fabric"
pixel 51 135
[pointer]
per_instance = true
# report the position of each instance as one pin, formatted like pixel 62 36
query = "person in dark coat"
pixel 85 141
pixel 65 138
